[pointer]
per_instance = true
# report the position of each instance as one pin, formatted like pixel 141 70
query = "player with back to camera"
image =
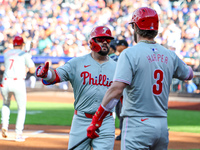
pixel 90 76
pixel 16 62
pixel 144 72
pixel 120 46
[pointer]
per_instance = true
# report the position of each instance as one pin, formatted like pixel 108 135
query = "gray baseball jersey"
pixel 90 81
pixel 148 70
pixel 13 83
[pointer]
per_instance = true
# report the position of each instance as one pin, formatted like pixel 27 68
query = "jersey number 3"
pixel 157 87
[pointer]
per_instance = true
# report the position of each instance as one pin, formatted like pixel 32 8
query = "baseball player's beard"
pixel 104 53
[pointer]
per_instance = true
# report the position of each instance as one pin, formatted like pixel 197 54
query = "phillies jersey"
pixel 15 62
pixel 148 70
pixel 90 81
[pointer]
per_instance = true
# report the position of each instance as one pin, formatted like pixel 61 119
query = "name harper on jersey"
pixel 101 80
pixel 157 57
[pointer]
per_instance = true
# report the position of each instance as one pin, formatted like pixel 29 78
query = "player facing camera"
pixel 100 39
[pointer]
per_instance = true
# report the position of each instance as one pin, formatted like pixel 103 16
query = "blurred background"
pixel 58 30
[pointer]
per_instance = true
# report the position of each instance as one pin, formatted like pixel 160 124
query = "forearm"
pixel 112 94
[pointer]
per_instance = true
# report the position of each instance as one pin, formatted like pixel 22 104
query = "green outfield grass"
pixel 41 113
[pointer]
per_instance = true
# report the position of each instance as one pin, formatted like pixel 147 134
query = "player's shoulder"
pixel 25 54
pixel 9 51
pixel 12 52
pixel 166 50
pixel 128 50
pixel 21 53
pixel 133 48
pixel 74 59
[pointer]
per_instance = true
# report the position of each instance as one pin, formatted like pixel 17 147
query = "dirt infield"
pixel 43 137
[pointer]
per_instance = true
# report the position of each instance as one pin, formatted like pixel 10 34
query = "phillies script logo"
pixel 102 80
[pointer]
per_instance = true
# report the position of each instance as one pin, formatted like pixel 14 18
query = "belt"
pixel 13 78
pixel 88 115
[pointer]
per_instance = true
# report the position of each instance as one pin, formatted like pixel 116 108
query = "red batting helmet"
pixel 100 31
pixel 145 18
pixel 18 40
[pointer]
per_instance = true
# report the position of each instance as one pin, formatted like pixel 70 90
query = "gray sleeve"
pixel 124 71
pixel 65 72
pixel 182 70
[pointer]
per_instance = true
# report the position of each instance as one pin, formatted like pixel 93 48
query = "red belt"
pixel 88 115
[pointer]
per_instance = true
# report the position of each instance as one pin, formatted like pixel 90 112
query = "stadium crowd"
pixel 61 27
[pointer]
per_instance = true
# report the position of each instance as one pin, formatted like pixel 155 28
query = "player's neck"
pixel 99 58
pixel 145 40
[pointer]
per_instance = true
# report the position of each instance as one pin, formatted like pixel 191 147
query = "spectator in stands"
pixel 57 49
pixel 34 48
pixel 44 41
pixel 191 87
pixel 112 52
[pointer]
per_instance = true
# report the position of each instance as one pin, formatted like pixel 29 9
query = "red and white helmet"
pixel 145 18
pixel 100 31
pixel 18 40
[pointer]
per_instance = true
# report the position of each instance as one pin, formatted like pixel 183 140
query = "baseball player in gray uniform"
pixel 90 75
pixel 16 62
pixel 144 72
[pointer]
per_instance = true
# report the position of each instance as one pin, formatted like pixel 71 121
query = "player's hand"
pixel 42 72
pixel 97 120
pixel 93 128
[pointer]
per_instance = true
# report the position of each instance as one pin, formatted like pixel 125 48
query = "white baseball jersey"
pixel 15 61
pixel 148 70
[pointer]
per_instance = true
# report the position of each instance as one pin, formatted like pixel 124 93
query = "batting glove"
pixel 97 120
pixel 91 130
pixel 42 72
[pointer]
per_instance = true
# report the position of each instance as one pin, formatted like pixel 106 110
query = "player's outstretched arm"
pixel 110 99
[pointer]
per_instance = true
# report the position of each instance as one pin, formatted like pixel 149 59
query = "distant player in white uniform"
pixel 16 62
pixel 91 76
pixel 144 72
